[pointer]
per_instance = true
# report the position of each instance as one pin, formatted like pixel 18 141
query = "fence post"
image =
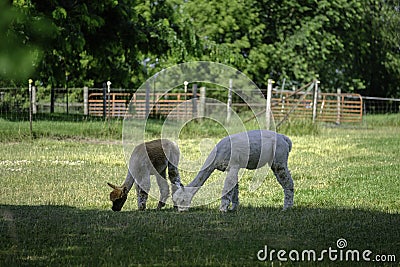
pixel 104 100
pixel 194 101
pixel 85 100
pixel 66 89
pixel 108 93
pixel 268 104
pixel 34 104
pixel 202 101
pixel 229 106
pixel 338 97
pixel 52 97
pixel 281 97
pixel 185 83
pixel 147 105
pixel 282 88
pixel 30 106
pixel 315 101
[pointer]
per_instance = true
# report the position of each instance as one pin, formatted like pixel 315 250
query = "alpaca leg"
pixel 164 189
pixel 284 178
pixel 141 197
pixel 235 198
pixel 231 182
pixel 142 189
pixel 173 175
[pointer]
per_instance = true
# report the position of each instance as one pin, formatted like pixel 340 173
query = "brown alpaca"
pixel 149 158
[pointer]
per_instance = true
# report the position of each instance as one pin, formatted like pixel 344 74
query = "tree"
pixel 22 35
pixel 379 63
pixel 347 44
pixel 94 42
pixel 350 45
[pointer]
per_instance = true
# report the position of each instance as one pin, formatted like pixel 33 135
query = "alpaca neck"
pixel 202 177
pixel 129 180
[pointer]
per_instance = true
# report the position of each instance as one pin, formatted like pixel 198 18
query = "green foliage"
pixel 22 34
pixel 347 44
pixel 301 40
pixel 93 40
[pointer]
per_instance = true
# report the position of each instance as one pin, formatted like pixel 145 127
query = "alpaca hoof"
pixel 142 206
pixel 160 205
pixel 234 207
pixel 286 208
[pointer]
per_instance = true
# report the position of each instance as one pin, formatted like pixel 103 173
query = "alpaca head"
pixel 183 197
pixel 118 196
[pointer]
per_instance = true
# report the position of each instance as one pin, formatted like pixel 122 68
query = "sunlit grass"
pixel 54 207
pixel 337 163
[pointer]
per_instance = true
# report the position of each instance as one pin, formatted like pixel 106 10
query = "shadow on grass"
pixel 62 235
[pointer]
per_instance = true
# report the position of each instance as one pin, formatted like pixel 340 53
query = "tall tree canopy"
pixel 349 44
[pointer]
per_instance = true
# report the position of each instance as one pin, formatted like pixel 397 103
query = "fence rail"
pixel 330 107
pixel 380 105
pixel 119 104
pixel 115 104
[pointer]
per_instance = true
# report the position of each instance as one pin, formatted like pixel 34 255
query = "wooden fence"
pixel 115 104
pixel 331 107
pixel 139 105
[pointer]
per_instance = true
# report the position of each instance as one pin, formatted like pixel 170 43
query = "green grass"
pixel 54 207
pixel 92 129
pixel 387 120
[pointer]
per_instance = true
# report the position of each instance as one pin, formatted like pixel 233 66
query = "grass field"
pixel 54 207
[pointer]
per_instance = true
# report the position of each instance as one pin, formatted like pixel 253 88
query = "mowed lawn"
pixel 55 208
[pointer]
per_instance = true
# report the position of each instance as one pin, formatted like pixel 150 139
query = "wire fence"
pixel 379 105
pixel 50 103
pixel 84 103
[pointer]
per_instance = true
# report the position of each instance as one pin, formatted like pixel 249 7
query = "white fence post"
pixel 315 101
pixel 229 106
pixel 194 100
pixel 185 83
pixel 85 100
pixel 109 99
pixel 30 106
pixel 268 104
pixel 34 104
pixel 339 91
pixel 147 105
pixel 202 108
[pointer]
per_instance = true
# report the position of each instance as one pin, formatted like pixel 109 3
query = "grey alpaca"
pixel 250 150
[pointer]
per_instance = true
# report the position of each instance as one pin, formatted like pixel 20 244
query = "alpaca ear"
pixel 112 186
